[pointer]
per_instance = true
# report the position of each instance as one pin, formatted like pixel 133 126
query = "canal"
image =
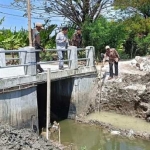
pixel 86 137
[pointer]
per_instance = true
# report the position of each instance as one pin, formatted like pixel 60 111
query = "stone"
pixel 138 59
pixel 146 135
pixel 130 134
pixel 24 139
pixel 115 132
pixel 141 63
pixel 133 63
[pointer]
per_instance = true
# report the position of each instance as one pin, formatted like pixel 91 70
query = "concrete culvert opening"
pixel 61 91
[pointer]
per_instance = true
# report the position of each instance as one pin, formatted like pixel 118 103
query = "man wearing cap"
pixel 77 38
pixel 37 44
pixel 113 56
pixel 61 44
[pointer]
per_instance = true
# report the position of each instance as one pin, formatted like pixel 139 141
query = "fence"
pixel 26 59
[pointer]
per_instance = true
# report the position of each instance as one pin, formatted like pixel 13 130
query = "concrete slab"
pixel 42 77
pixel 11 72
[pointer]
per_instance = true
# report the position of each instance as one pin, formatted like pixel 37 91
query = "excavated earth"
pixel 24 139
pixel 128 95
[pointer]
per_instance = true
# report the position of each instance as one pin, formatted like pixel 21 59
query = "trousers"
pixel 38 66
pixel 111 68
pixel 61 57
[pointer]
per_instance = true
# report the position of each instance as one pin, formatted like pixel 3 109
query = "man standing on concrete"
pixel 113 56
pixel 61 44
pixel 77 38
pixel 37 44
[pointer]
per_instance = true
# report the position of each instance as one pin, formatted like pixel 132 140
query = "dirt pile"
pixel 129 94
pixel 24 139
pixel 143 64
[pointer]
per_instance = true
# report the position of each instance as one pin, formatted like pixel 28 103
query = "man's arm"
pixel 73 40
pixel 116 53
pixel 104 59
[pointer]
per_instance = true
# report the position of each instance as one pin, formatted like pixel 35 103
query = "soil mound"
pixel 23 139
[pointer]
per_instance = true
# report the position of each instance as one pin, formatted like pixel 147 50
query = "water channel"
pixel 86 137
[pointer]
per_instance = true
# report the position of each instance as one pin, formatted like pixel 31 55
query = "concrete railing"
pixel 27 59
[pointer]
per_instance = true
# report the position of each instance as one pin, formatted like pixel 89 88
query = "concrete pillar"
pixel 72 56
pixel 90 53
pixel 28 57
pixel 2 58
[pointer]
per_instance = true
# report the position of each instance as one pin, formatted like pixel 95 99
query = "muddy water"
pixel 121 121
pixel 86 137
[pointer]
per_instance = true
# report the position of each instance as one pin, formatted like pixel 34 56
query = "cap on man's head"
pixel 107 47
pixel 78 28
pixel 39 25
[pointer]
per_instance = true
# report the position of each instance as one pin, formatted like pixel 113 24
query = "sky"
pixel 13 17
pixel 13 20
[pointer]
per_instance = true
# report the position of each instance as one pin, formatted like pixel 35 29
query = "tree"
pixel 138 25
pixel 136 6
pixel 77 11
pixel 102 32
pixel 1 20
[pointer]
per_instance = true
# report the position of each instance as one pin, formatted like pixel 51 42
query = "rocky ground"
pixel 129 94
pixel 24 139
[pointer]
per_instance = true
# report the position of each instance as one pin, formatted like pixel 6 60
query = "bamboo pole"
pixel 100 89
pixel 59 134
pixel 29 22
pixel 48 102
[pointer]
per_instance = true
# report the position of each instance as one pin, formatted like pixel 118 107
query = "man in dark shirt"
pixel 37 44
pixel 77 38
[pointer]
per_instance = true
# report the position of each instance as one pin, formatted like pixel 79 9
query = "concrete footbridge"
pixel 23 90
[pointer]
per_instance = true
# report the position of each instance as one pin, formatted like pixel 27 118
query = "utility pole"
pixel 29 22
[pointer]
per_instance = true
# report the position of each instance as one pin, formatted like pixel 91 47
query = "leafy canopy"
pixel 137 6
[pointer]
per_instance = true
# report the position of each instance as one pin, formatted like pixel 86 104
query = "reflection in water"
pixel 94 138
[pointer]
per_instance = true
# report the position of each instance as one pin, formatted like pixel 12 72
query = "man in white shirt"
pixel 61 44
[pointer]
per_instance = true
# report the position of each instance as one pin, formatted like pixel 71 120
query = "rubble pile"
pixel 141 63
pixel 23 139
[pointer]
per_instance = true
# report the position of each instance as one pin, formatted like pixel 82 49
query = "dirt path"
pixel 124 67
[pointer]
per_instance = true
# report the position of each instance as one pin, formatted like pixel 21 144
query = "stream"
pixel 86 137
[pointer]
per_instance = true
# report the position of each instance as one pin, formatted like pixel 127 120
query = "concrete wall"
pixel 19 108
pixel 71 97
pixel 83 95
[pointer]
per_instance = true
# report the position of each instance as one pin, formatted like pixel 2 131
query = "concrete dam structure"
pixel 23 96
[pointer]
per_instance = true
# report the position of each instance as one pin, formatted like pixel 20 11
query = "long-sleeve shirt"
pixel 77 40
pixel 36 39
pixel 112 54
pixel 61 41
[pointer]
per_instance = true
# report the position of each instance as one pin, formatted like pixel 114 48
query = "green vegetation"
pixel 130 36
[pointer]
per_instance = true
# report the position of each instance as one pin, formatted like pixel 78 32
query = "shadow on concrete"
pixel 61 92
